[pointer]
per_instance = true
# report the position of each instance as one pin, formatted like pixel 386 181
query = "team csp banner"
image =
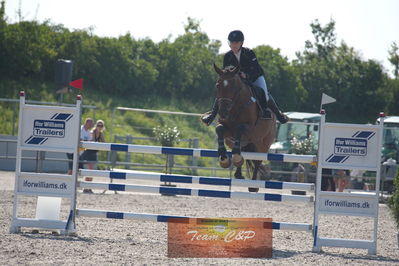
pixel 220 238
pixel 350 146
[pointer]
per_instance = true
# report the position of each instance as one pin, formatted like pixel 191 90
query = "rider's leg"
pixel 263 97
pixel 269 101
pixel 273 106
pixel 210 116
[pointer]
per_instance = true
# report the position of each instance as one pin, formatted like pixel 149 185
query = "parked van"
pixel 301 126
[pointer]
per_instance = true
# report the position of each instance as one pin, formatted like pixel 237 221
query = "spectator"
pixel 327 181
pixel 98 136
pixel 86 135
pixel 341 178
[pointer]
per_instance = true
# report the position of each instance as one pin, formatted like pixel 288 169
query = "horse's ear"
pixel 218 70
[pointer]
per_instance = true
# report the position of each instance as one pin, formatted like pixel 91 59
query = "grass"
pixel 122 123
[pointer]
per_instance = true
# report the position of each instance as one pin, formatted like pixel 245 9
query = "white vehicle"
pixel 304 128
pixel 301 126
pixel 390 142
pixel 390 151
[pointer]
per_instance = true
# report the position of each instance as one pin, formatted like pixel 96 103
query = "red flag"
pixel 77 84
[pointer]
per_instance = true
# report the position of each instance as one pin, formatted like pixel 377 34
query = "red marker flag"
pixel 77 84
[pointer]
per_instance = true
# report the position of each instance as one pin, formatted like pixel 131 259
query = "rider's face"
pixel 235 46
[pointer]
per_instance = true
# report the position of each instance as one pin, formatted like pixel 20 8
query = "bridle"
pixel 233 101
pixel 230 101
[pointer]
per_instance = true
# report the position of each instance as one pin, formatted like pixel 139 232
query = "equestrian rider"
pixel 251 71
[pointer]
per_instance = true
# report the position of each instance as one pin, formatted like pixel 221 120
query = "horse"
pixel 240 126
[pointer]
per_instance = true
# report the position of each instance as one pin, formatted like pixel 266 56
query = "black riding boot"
pixel 263 104
pixel 210 116
pixel 273 106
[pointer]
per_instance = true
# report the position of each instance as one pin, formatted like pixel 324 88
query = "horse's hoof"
pixel 225 163
pixel 238 160
pixel 253 189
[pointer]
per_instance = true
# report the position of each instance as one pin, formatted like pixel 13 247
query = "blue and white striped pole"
pixel 196 192
pixel 217 181
pixel 293 158
pixel 165 218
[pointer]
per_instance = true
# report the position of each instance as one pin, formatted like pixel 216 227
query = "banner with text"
pixel 49 127
pixel 220 238
pixel 350 147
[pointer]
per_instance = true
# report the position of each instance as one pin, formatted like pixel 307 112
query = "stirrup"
pixel 282 118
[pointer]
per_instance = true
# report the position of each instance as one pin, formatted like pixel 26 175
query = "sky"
pixel 370 26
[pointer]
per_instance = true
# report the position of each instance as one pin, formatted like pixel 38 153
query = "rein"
pixel 243 106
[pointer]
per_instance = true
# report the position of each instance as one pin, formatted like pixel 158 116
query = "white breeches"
pixel 261 82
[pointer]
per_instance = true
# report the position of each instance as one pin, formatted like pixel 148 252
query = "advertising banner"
pixel 49 127
pixel 220 238
pixel 40 185
pixel 356 204
pixel 350 147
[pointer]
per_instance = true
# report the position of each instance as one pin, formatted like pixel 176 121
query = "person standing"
pixel 327 180
pixel 98 136
pixel 341 178
pixel 86 135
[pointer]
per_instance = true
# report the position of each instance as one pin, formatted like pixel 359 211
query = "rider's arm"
pixel 254 70
pixel 228 59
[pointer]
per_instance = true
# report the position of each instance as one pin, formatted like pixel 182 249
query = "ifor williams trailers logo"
pixel 354 146
pixel 48 128
pixel 52 128
pixel 349 146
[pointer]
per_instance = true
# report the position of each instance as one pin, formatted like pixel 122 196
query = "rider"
pixel 250 69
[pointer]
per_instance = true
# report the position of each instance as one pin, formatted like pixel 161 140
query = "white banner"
pixel 350 147
pixel 348 203
pixel 46 186
pixel 49 127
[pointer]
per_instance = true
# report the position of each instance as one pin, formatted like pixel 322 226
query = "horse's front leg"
pixel 224 160
pixel 238 160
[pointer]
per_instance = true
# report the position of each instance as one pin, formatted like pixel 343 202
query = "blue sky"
pixel 370 26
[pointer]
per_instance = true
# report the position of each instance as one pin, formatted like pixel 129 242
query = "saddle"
pixel 257 92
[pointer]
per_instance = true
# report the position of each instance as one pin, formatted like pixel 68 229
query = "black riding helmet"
pixel 236 36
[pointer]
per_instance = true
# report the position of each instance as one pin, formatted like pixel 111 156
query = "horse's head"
pixel 228 86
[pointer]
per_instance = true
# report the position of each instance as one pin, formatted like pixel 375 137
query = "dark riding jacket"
pixel 248 63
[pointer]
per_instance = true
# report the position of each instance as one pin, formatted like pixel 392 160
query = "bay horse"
pixel 240 125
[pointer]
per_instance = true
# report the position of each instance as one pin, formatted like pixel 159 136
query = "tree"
pixel 186 69
pixel 394 59
pixel 339 71
pixel 281 79
pixel 3 26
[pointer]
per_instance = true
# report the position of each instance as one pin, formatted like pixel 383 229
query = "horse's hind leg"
pixel 255 175
pixel 238 173
pixel 224 160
